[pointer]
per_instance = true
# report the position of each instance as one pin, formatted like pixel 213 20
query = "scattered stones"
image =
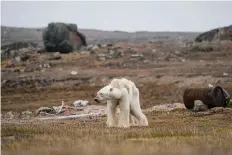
pixel 225 74
pixel 199 106
pixel 80 103
pixel 46 65
pixel 220 110
pixel 17 49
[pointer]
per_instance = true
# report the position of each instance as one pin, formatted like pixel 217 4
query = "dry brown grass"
pixel 178 132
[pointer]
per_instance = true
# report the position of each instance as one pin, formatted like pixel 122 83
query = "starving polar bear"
pixel 122 93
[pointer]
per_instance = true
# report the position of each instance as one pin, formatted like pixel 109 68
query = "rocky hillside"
pixel 223 33
pixel 12 34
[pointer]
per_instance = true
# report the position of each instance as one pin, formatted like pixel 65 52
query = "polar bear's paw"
pixel 123 126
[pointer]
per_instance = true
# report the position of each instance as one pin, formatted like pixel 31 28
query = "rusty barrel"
pixel 212 97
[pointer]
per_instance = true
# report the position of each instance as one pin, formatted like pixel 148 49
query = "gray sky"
pixel 124 16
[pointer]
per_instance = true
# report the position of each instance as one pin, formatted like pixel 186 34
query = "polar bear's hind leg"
pixel 141 119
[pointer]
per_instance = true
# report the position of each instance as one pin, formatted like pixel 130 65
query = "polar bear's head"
pixel 108 93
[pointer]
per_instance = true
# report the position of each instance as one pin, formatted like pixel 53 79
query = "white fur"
pixel 122 93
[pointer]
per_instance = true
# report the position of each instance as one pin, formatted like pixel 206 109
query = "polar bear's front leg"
pixel 124 107
pixel 111 114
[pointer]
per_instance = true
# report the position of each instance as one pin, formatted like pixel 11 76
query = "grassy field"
pixel 176 132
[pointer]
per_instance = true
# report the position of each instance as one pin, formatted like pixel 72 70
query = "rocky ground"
pixel 161 70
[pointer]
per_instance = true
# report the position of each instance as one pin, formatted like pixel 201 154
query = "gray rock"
pixel 101 57
pixel 89 47
pixel 9 115
pixel 27 114
pixel 18 59
pixel 136 55
pixel 55 56
pixel 199 106
pixel 94 48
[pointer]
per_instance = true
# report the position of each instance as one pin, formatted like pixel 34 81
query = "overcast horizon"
pixel 120 16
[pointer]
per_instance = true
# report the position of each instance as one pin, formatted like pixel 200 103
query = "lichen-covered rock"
pixel 199 106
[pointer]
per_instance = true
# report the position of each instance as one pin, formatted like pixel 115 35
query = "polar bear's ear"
pixel 111 89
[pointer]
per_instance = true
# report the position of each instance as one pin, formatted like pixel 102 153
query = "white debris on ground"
pixel 225 74
pixel 210 85
pixel 59 109
pixel 78 109
pixel 80 103
pixel 165 107
pixel 73 72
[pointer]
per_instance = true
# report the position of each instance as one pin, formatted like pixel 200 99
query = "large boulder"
pixel 223 33
pixel 63 38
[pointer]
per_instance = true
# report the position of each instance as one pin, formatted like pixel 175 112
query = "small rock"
pixel 9 115
pixel 210 85
pixel 27 114
pixel 45 66
pixel 55 56
pixel 24 57
pixel 12 53
pixel 225 74
pixel 18 59
pixel 154 51
pixel 199 106
pixel 94 48
pixel 8 138
pixel 101 57
pixel 146 61
pixel 183 60
pixel 179 106
pixel 136 55
pixel 73 73
pixel 103 45
pixel 177 53
pixel 89 47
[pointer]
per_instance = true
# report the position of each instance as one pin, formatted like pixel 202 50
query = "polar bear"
pixel 123 93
